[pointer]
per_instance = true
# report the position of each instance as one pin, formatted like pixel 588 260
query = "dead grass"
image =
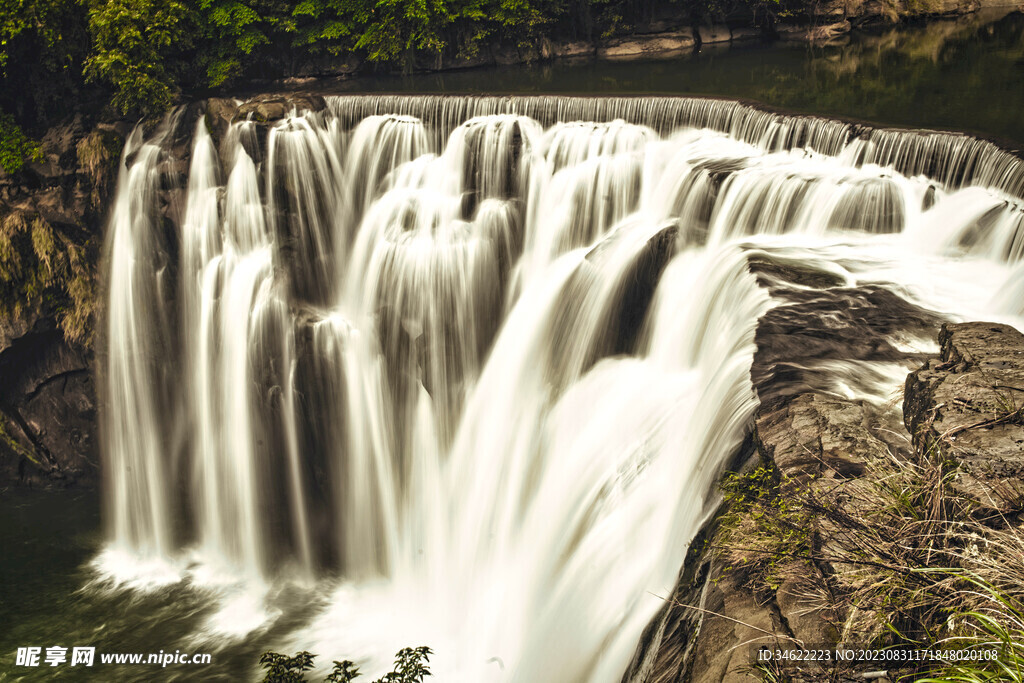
pixel 898 558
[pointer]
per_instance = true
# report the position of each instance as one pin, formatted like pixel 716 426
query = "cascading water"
pixel 469 368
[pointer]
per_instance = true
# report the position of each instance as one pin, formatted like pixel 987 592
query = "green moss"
pixel 765 530
pixel 43 270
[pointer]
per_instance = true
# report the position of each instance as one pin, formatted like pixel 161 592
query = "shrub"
pixel 410 667
pixel 15 147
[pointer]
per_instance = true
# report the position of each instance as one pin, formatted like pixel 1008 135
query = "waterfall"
pixel 469 368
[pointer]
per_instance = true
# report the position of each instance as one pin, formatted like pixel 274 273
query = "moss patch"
pixel 44 270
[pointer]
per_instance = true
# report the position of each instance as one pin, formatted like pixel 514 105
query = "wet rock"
pixel 733 625
pixel 269 108
pixel 572 49
pixel 819 436
pixel 220 113
pixel 968 405
pixel 637 291
pixel 799 342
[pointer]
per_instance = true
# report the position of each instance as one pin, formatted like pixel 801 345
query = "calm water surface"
pixel 965 74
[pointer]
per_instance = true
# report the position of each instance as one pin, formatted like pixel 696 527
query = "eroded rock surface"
pixel 968 405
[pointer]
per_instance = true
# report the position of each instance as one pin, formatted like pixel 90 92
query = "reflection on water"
pixel 963 74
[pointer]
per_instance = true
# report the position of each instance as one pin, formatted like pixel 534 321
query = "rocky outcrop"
pixel 51 216
pixel 638 46
pixel 964 405
pixel 967 405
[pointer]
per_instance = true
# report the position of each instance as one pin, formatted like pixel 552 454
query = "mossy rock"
pixel 98 157
pixel 44 271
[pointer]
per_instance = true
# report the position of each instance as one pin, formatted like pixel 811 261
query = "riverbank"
pixel 829 24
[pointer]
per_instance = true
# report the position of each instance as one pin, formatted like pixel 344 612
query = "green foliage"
pixel 410 667
pixel 47 26
pixel 283 669
pixel 233 31
pixel 394 29
pixel 325 25
pixel 15 147
pixel 132 40
pixel 343 672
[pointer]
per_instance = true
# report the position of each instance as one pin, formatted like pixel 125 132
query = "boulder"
pixel 269 108
pixel 577 48
pixel 646 45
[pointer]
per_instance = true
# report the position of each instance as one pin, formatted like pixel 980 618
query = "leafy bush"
pixel 132 40
pixel 15 147
pixel 410 667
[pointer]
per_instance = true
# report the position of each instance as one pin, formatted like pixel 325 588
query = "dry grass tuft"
pixel 896 559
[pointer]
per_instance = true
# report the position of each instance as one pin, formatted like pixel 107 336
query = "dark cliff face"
pixel 51 218
pixel 48 411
